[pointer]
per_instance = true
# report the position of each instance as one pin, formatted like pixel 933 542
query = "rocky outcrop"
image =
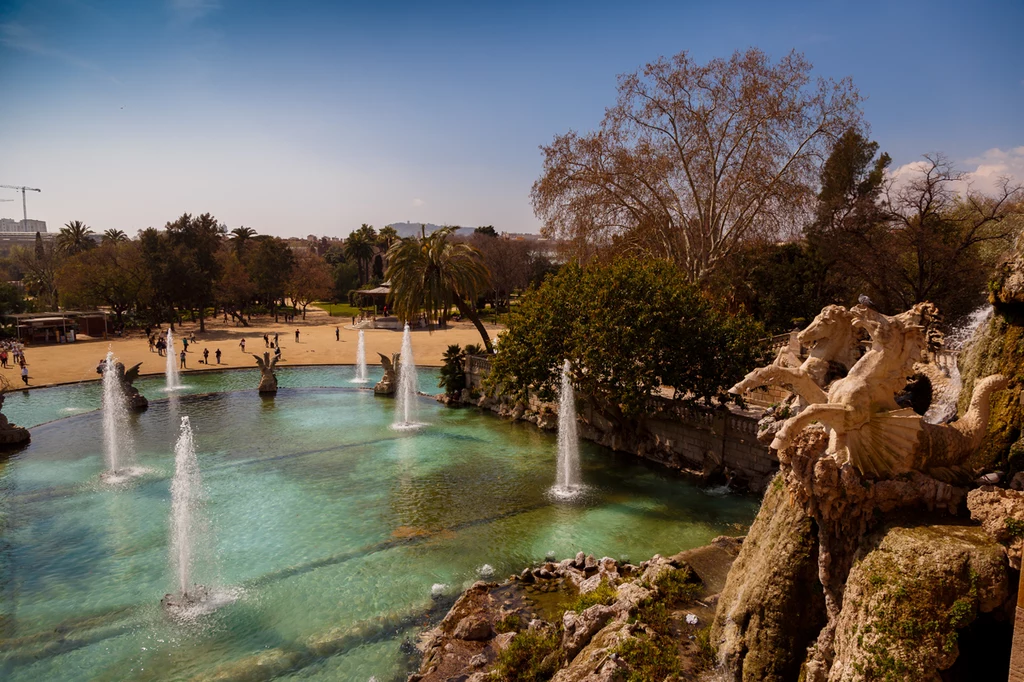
pixel 772 605
pixel 591 634
pixel 1001 513
pixel 910 591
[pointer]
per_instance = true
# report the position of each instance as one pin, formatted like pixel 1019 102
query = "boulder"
pixel 579 628
pixel 912 587
pixel 772 605
pixel 1001 513
pixel 474 627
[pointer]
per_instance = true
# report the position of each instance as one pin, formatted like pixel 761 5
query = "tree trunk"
pixel 465 310
pixel 202 319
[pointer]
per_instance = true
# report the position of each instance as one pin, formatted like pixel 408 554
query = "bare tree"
pixel 694 159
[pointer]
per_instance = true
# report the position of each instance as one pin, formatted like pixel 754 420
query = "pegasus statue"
pixel 866 427
pixel 833 343
pixel 268 381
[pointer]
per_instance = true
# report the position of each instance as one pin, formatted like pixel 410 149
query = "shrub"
pixel 529 657
pixel 452 377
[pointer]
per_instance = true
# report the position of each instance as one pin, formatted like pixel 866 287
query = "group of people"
pixel 13 352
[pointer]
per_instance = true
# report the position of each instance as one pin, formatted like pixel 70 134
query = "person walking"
pixel 24 372
pixel 3 358
pixel 152 343
pixel 266 340
pixel 296 336
pixel 183 358
pixel 218 355
pixel 337 334
pixel 241 344
pixel 206 356
pixel 276 342
pixel 184 344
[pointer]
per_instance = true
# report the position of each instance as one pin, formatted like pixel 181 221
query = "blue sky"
pixel 303 117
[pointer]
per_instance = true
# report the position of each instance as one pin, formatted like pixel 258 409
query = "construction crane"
pixel 24 208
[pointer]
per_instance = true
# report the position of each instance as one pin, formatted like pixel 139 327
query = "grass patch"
pixel 1014 527
pixel 678 587
pixel 707 655
pixel 604 594
pixel 337 309
pixel 649 659
pixel 510 623
pixel 529 657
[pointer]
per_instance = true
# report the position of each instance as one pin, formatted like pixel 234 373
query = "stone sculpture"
pixel 11 435
pixel 388 382
pixel 268 381
pixel 136 401
pixel 833 345
pixel 866 426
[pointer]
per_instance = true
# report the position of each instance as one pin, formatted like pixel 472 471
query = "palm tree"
pixel 114 236
pixel 433 273
pixel 240 236
pixel 359 249
pixel 74 238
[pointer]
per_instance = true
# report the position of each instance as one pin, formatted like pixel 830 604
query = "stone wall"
pixel 677 436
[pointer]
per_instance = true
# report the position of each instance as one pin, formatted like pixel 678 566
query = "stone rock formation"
pixel 772 607
pixel 389 382
pixel 11 435
pixel 848 460
pixel 268 380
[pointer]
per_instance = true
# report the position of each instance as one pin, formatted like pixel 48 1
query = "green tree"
pixel 74 238
pixel 486 230
pixel 359 248
pixel 628 329
pixel 433 273
pixel 452 375
pixel 387 236
pixel 310 280
pixel 114 236
pixel 270 266
pixel 196 241
pixel 234 289
pixel 240 237
pixel 115 274
pixel 12 301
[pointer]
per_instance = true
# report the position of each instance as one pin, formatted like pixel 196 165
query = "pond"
pixel 334 534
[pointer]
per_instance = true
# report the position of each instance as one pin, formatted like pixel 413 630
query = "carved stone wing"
pixel 132 373
pixel 273 361
pixel 386 363
pixel 259 361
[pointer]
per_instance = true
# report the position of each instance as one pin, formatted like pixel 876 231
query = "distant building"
pixel 33 226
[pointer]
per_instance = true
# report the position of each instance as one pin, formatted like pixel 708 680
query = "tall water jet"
pixel 118 449
pixel 405 405
pixel 186 522
pixel 171 370
pixel 567 483
pixel 362 376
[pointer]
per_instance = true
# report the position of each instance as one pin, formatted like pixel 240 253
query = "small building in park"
pixel 59 327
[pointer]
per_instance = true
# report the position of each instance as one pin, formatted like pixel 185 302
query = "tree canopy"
pixel 694 159
pixel 628 329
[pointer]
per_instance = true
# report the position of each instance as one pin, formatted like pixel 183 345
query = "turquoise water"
pixel 328 530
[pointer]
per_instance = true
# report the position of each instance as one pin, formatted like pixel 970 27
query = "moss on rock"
pixel 911 589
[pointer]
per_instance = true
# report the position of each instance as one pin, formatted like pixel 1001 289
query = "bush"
pixel 453 371
pixel 604 594
pixel 529 657
pixel 678 587
pixel 649 659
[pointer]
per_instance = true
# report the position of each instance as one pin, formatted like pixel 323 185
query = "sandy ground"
pixel 64 363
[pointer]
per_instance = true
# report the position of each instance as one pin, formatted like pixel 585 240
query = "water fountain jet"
pixel 118 448
pixel 171 371
pixel 405 405
pixel 568 485
pixel 186 524
pixel 362 375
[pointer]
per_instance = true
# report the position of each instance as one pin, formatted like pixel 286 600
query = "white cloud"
pixel 984 173
pixel 418 202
